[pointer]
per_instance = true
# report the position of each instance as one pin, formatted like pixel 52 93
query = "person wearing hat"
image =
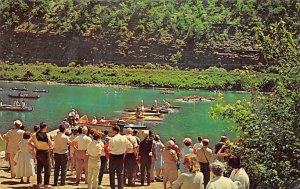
pixel 219 181
pixel 170 163
pixel 146 151
pixel 13 137
pixel 130 158
pixel 204 156
pixel 238 174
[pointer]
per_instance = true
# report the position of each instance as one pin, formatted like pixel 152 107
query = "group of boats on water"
pixel 20 106
pixel 196 98
pixel 130 117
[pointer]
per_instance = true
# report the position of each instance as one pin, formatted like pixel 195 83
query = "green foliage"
pixel 268 127
pixel 144 19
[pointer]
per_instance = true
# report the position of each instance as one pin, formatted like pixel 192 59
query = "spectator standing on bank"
pixel 25 159
pixel 204 156
pixel 13 137
pixel 103 158
pixel 153 158
pixel 130 158
pixel 80 143
pixel 238 174
pixel 170 163
pixel 218 146
pixel 198 144
pixel 193 179
pixel 72 158
pixel 94 150
pixel 118 146
pixel 146 151
pixel 187 149
pixel 177 150
pixel 159 162
pixel 61 155
pixel 219 181
pixel 43 144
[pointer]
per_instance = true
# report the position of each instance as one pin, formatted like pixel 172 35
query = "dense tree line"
pixel 176 24
pixel 268 126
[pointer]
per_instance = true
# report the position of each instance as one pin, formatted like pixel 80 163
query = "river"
pixel 191 120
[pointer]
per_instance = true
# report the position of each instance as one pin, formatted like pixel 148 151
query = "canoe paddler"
pixel 94 120
pixel 102 119
pixel 167 104
pixel 142 106
pixel 138 112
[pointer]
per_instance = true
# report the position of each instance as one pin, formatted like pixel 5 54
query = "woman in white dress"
pixel 25 159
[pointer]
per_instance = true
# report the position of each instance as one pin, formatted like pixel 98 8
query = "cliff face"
pixel 30 47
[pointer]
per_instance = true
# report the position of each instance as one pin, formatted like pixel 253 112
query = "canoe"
pixel 134 126
pixel 112 92
pixel 40 91
pixel 17 89
pixel 161 110
pixel 167 92
pixel 144 118
pixel 104 124
pixel 15 108
pixel 23 96
pixel 145 114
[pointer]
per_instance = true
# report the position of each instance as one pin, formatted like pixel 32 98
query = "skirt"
pixel 25 165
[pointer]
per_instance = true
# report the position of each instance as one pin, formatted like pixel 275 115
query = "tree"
pixel 268 130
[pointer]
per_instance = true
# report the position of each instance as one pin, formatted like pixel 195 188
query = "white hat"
pixel 18 123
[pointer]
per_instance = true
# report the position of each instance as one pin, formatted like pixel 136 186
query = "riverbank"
pixel 7 182
pixel 149 76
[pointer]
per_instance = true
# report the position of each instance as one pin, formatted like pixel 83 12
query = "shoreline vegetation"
pixel 147 76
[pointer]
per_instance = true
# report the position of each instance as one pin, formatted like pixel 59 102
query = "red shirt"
pixel 107 155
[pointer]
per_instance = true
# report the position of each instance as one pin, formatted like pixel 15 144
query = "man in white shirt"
pixel 94 150
pixel 80 144
pixel 198 144
pixel 13 137
pixel 203 156
pixel 61 151
pixel 130 158
pixel 118 146
pixel 238 174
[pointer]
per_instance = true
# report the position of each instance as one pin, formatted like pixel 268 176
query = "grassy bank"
pixel 142 76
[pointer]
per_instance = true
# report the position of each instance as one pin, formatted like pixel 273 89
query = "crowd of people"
pixel 127 157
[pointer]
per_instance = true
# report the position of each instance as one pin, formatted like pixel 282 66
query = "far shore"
pixel 112 85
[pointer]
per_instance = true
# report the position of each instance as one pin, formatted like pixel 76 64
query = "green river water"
pixel 191 120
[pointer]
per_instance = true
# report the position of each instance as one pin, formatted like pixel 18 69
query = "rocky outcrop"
pixel 62 49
